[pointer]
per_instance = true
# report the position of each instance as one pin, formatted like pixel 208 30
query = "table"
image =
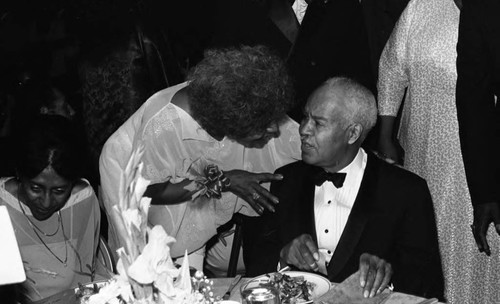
pixel 222 284
pixel 219 289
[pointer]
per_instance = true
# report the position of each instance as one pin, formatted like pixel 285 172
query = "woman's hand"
pixel 246 185
pixel 387 149
pixel 484 215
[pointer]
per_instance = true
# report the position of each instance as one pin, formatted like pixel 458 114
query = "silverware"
pixel 286 268
pixel 231 287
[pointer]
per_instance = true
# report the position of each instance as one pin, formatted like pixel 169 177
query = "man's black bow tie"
pixel 337 179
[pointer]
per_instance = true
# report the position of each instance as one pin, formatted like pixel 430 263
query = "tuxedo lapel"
pixel 282 15
pixel 355 223
pixel 309 189
pixel 296 207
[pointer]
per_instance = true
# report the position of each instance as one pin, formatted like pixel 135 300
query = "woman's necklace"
pixel 33 226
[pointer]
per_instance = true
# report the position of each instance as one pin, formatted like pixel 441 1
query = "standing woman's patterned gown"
pixel 421 56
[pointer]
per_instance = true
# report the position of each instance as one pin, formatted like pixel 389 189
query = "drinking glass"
pixel 252 293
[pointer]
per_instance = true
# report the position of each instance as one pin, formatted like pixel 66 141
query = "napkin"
pixel 11 265
pixel 350 291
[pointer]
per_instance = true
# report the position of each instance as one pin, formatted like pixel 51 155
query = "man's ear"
pixel 354 132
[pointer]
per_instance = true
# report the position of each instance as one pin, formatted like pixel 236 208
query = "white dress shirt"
pixel 299 8
pixel 332 207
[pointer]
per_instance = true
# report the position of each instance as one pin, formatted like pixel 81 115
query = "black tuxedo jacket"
pixel 392 218
pixel 247 22
pixel 332 41
pixel 478 67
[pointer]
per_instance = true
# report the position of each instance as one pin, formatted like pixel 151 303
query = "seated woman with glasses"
pixel 54 211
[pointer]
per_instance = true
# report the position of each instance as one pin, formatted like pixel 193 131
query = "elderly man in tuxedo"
pixel 341 209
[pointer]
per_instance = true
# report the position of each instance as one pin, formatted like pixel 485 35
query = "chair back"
pixel 104 256
pixel 237 242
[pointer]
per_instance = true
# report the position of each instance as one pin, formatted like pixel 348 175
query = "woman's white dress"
pixel 421 56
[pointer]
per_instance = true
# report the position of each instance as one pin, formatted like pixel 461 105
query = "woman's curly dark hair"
pixel 238 92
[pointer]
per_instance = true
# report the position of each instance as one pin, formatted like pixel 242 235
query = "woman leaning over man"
pixel 230 114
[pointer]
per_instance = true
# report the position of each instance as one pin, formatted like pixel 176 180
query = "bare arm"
pixel 245 185
pixel 386 145
pixel 167 193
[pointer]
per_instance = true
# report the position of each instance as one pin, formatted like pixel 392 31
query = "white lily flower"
pixel 145 261
pixel 155 255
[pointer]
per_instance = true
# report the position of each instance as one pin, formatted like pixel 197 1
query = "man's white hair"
pixel 359 102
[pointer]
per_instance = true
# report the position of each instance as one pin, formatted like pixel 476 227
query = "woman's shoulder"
pixel 81 185
pixel 8 184
pixel 82 191
pixel 5 181
pixel 164 111
pixel 163 99
pixel 8 188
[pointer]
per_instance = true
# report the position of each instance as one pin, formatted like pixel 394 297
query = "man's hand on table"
pixel 246 185
pixel 374 274
pixel 302 253
pixel 484 215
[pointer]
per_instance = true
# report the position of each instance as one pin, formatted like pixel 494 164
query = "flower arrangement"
pixel 146 272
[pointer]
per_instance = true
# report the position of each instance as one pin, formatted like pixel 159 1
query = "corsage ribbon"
pixel 215 181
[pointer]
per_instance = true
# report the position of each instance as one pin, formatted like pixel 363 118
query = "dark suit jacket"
pixel 247 22
pixel 380 17
pixel 332 41
pixel 392 218
pixel 478 67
